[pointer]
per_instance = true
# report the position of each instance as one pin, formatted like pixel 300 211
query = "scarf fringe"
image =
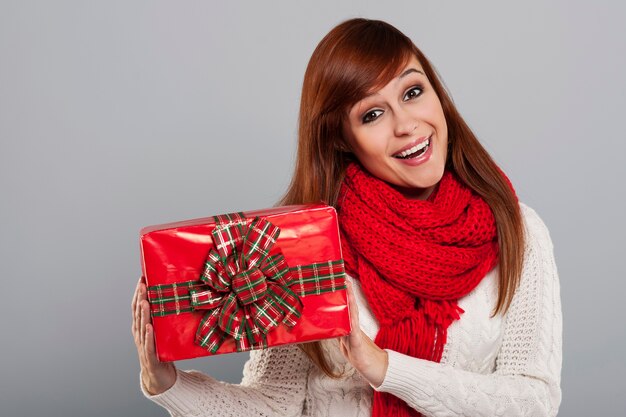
pixel 386 405
pixel 422 335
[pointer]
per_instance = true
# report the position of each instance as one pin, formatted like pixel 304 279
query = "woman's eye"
pixel 372 115
pixel 413 92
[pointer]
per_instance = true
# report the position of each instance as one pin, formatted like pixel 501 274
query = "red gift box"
pixel 245 281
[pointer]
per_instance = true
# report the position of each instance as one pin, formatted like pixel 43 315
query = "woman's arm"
pixel 274 384
pixel 526 381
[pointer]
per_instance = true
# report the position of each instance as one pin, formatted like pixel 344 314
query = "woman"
pixel 453 290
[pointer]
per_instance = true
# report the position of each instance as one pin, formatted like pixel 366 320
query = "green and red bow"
pixel 247 287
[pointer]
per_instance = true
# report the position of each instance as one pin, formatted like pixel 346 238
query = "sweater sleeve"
pixel 274 384
pixel 526 380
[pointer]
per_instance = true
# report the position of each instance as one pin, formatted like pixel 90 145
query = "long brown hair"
pixel 355 58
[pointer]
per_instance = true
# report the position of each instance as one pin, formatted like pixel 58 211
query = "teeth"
pixel 414 149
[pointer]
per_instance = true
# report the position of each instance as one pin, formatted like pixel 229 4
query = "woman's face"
pixel 399 133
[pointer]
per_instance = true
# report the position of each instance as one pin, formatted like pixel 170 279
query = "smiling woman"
pixel 454 294
pixel 399 133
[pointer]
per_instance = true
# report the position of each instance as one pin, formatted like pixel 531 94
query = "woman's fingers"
pixel 144 321
pixel 159 376
pixel 156 376
pixel 137 319
pixel 149 346
pixel 353 340
pixel 138 312
pixel 140 318
pixel 354 312
pixel 357 347
pixel 134 300
pixel 133 309
pixel 147 332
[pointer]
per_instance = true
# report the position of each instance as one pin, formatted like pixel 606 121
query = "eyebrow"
pixel 409 71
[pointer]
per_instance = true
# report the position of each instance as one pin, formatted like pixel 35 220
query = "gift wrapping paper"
pixel 245 281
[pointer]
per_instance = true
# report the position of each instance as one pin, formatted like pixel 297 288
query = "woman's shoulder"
pixel 536 230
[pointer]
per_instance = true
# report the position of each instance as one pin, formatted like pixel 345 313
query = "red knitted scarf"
pixel 414 260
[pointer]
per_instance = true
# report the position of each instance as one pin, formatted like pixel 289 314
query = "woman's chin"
pixel 415 193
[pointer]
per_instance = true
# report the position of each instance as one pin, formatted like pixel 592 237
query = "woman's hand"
pixel 364 355
pixel 156 376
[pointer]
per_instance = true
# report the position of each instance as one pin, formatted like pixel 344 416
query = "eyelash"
pixel 415 87
pixel 366 117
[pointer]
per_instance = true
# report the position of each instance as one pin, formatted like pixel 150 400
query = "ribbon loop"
pixel 231 317
pixel 258 241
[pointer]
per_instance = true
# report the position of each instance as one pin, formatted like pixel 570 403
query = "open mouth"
pixel 415 151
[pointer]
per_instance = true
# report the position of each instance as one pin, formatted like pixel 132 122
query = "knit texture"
pixel 502 366
pixel 414 260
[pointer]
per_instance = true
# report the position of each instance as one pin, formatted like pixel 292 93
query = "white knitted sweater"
pixel 502 366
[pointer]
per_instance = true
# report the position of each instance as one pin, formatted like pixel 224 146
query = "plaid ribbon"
pixel 247 287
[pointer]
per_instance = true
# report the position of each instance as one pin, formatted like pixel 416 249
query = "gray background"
pixel 119 114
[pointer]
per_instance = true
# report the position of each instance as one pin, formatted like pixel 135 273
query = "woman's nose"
pixel 405 123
